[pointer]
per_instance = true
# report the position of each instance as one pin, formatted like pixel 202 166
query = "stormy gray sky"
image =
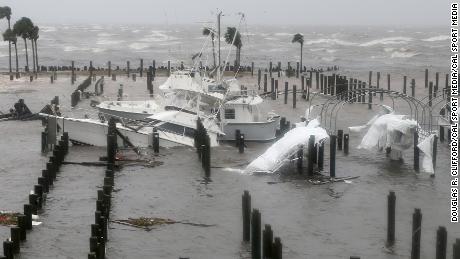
pixel 297 12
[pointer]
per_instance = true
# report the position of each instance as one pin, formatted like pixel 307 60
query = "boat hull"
pixel 254 131
pixel 124 114
pixel 94 133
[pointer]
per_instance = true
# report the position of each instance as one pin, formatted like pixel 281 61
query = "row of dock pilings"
pixel 203 147
pixel 441 233
pixel 99 236
pixel 266 246
pixel 37 198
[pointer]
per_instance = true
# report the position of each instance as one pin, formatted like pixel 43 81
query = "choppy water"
pixel 326 221
pixel 395 49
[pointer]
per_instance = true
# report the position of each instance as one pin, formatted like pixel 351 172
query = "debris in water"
pixel 147 223
pixel 8 218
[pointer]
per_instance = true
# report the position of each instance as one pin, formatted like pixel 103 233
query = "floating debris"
pixel 325 180
pixel 148 223
pixel 8 218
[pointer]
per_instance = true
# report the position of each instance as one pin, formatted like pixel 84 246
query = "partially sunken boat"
pixel 175 128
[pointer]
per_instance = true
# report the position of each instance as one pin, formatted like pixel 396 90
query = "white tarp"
pixel 426 146
pixel 279 153
pixel 388 130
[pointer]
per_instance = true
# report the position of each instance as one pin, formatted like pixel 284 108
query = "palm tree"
pixel 209 31
pixel 298 38
pixel 29 36
pixel 35 36
pixel 5 12
pixel 10 36
pixel 22 29
pixel 232 36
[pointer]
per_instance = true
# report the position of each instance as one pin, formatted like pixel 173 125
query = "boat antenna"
pixel 219 14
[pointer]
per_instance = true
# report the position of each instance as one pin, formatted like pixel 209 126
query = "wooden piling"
pixel 391 216
pixel 156 142
pixel 15 239
pixel 339 139
pixel 311 149
pixel 8 249
pixel 109 64
pixel 416 233
pixel 246 204
pixel 265 83
pixel 332 156
pixel 241 144
pixel 426 78
pixel 267 241
pixel 441 133
pixel 441 243
pixel 256 231
pixel 416 152
pixel 28 214
pixel 141 70
pixel 430 94
pixel 404 84
pixel 22 225
pixel 346 139
pixel 270 68
pixel 252 68
pixel 286 88
pixel 321 156
pixel 272 88
pixel 127 69
pixel 277 249
pixel 412 87
pixel 294 97
pixel 456 249
pixel 259 77
pixel 434 152
pixel 299 159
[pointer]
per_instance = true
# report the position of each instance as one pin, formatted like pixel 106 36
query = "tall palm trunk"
pixel 17 60
pixel 33 55
pixel 27 55
pixel 9 44
pixel 213 51
pixel 301 57
pixel 36 55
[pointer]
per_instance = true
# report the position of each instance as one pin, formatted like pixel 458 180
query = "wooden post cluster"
pixel 36 199
pixel 262 247
pixel 98 238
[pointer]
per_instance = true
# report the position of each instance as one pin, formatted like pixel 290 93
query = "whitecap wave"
pixel 108 42
pixel 404 54
pixel 158 36
pixel 47 29
pixel 282 34
pixel 438 38
pixel 330 41
pixel 98 50
pixel 74 48
pixel 105 34
pixel 329 59
pixel 387 41
pixel 139 45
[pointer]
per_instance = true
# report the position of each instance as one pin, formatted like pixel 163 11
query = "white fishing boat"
pixel 175 128
pixel 135 110
pixel 242 112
